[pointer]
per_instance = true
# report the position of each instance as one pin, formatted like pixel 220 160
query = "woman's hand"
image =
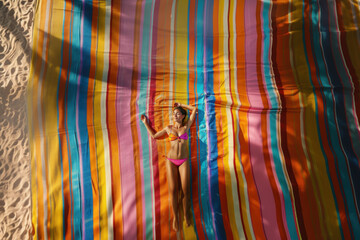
pixel 143 118
pixel 177 104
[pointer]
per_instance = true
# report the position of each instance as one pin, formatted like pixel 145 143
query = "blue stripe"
pixel 82 108
pixel 197 130
pixel 71 113
pixel 211 120
pixel 142 109
pixel 202 141
pixel 290 216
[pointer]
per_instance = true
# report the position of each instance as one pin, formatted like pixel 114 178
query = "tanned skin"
pixel 178 150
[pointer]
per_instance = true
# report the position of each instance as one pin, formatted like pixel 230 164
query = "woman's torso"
pixel 179 146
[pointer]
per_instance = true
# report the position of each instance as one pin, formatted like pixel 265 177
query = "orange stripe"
pixel 162 86
pixel 167 44
pixel 111 120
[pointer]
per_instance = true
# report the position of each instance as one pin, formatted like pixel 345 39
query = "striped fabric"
pixel 275 147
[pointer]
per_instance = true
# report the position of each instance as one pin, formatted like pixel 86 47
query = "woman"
pixel 177 164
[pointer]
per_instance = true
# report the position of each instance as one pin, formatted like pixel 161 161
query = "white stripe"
pixel 109 203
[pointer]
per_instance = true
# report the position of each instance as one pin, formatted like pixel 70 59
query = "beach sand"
pixel 16 20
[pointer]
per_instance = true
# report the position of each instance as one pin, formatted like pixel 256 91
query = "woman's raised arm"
pixel 152 132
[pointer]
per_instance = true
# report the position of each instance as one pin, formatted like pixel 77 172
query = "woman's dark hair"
pixel 183 112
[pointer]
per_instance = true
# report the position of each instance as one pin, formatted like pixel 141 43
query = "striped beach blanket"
pixel 274 149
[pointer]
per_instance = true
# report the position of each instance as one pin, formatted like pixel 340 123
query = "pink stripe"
pixel 267 203
pixel 283 213
pixel 123 119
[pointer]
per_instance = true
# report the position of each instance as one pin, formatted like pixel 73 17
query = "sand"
pixel 16 20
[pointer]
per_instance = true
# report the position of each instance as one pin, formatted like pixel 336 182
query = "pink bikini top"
pixel 173 137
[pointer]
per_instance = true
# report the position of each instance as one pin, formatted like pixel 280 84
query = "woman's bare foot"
pixel 187 217
pixel 175 224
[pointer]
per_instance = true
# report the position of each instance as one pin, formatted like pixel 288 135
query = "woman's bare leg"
pixel 172 177
pixel 184 171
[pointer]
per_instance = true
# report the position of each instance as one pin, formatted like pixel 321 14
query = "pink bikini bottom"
pixel 177 162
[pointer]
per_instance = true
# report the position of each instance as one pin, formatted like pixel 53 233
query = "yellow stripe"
pixel 34 195
pixel 50 82
pixel 97 122
pixel 33 132
pixel 181 51
pixel 228 167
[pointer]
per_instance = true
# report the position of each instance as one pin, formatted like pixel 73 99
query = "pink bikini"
pixel 177 162
pixel 173 137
